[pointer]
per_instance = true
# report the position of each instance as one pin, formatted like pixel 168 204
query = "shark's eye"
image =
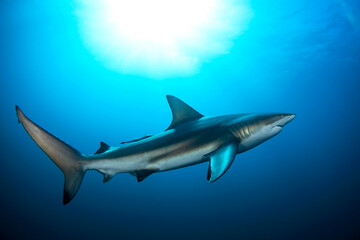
pixel 160 38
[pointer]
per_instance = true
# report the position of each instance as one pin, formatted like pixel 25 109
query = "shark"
pixel 191 138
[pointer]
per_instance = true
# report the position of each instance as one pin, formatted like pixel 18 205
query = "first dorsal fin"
pixel 181 112
pixel 103 148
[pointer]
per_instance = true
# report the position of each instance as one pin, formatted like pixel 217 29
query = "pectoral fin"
pixel 221 160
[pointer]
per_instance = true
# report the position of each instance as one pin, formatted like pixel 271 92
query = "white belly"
pixel 185 159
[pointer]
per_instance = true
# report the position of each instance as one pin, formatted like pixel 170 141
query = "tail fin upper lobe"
pixel 68 159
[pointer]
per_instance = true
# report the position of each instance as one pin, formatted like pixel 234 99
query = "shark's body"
pixel 190 139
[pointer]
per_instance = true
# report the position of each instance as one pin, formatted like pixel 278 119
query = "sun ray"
pixel 160 38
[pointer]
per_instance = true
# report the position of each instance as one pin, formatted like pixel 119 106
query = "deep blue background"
pixel 296 56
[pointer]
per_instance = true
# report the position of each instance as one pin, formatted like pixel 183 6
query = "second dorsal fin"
pixel 181 112
pixel 103 148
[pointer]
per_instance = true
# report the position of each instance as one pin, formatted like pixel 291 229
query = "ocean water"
pixel 300 56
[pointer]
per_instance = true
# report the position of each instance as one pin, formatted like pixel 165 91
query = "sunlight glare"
pixel 160 38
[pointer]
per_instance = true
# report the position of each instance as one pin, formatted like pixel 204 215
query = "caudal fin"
pixel 68 159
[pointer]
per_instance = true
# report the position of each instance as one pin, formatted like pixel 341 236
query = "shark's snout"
pixel 285 119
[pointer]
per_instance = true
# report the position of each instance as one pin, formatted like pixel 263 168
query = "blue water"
pixel 300 56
